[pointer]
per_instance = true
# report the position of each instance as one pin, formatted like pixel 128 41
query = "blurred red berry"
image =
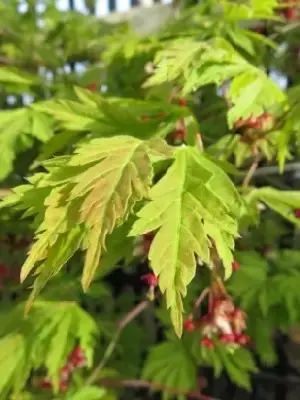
pixel 206 342
pixel 182 102
pixel 65 373
pixel 45 383
pixel 145 118
pixel 189 325
pixel 150 279
pixel 235 265
pixel 63 386
pixel 290 14
pixel 243 339
pixel 92 86
pixel 227 338
pixel 4 271
pixel 179 134
pixel 77 357
pixel 297 213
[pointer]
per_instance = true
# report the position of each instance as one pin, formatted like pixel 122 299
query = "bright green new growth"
pixel 190 213
pixel 83 198
pixel 44 339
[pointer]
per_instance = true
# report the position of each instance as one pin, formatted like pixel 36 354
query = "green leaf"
pixel 170 364
pixel 43 339
pixel 284 202
pixel 188 210
pixel 11 75
pixel 111 187
pixel 90 393
pixel 12 124
pixel 81 199
pixel 251 93
pixel 12 349
pixel 41 126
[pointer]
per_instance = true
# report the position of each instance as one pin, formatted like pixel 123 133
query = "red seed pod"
pixel 150 279
pixel 92 87
pixel 297 213
pixel 235 265
pixel 179 134
pixel 76 358
pixel 63 386
pixel 182 102
pixel 243 339
pixel 65 373
pixel 227 338
pixel 189 325
pixel 290 14
pixel 207 342
pixel 45 383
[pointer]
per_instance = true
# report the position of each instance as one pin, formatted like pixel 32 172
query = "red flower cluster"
pixel 225 322
pixel 262 122
pixel 75 360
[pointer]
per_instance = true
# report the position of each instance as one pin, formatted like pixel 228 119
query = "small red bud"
pixel 45 383
pixel 92 87
pixel 290 14
pixel 243 339
pixel 182 102
pixel 206 342
pixel 189 325
pixel 63 386
pixel 179 134
pixel 227 338
pixel 64 373
pixel 235 265
pixel 150 279
pixel 297 213
pixel 145 118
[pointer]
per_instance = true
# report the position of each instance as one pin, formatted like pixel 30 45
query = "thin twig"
pixel 112 345
pixel 252 169
pixel 142 384
pixel 199 301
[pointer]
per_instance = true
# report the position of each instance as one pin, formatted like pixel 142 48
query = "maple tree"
pixel 165 159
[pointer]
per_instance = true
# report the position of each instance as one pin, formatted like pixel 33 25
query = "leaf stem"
pixel 130 316
pixel 199 141
pixel 253 168
pixel 140 384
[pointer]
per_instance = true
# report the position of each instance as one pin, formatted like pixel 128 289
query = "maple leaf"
pixel 170 364
pixel 121 177
pixel 187 213
pixel 81 199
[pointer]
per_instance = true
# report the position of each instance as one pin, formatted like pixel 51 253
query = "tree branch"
pixel 130 316
pixel 142 384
